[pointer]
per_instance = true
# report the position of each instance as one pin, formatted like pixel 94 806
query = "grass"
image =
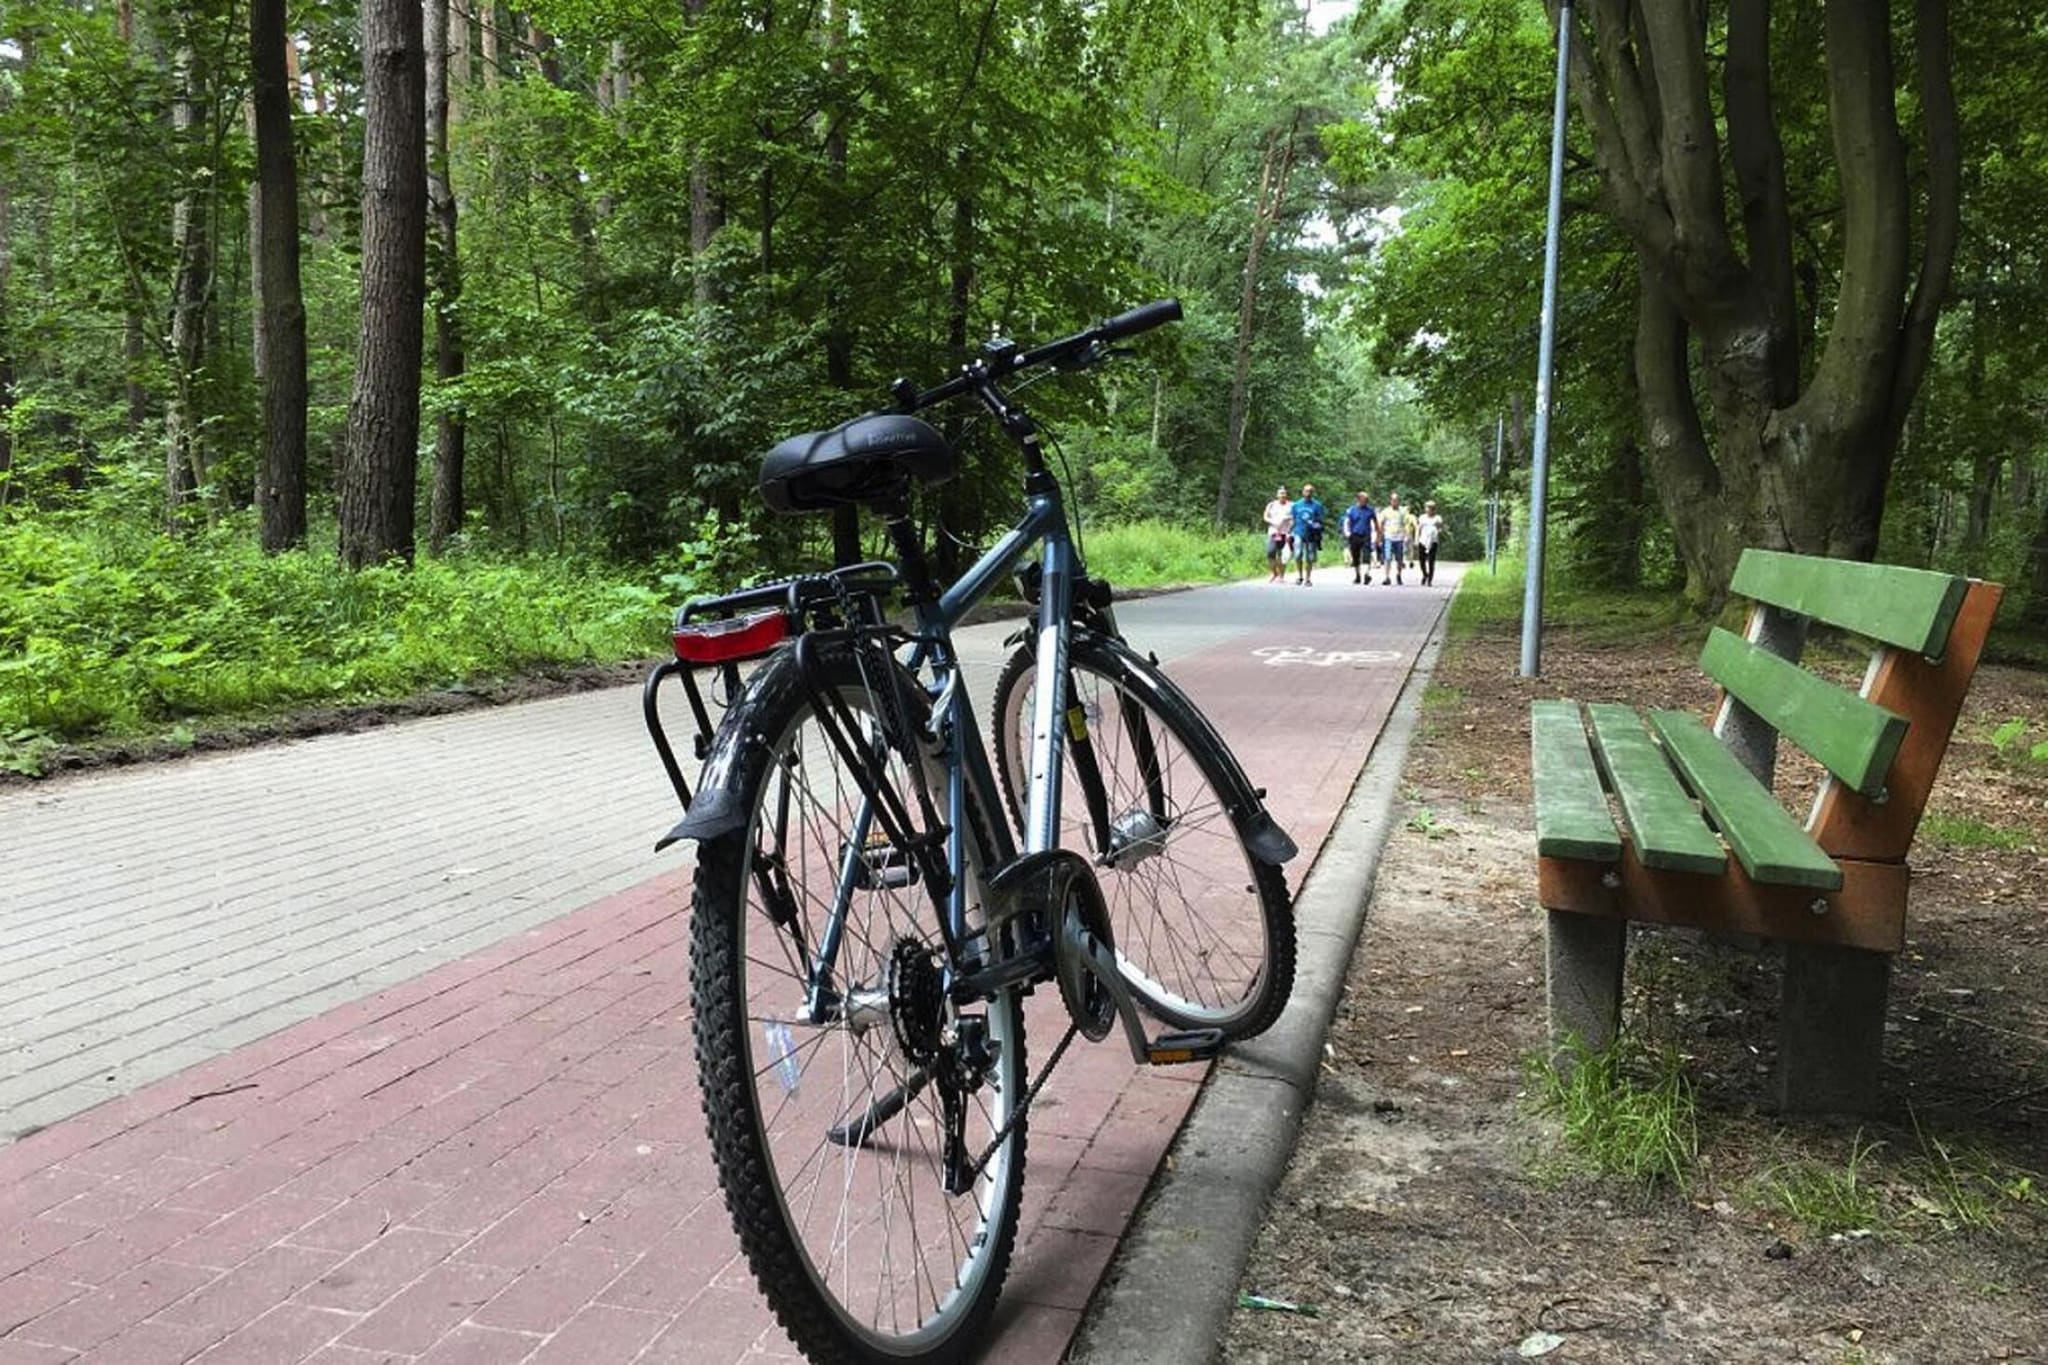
pixel 1158 554
pixel 1493 602
pixel 1963 831
pixel 1825 1196
pixel 1625 1111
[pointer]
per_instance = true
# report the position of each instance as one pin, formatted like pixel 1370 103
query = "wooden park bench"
pixel 1702 842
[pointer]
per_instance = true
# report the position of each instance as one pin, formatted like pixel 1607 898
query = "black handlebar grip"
pixel 1143 318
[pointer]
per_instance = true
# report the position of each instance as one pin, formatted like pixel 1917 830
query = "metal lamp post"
pixel 1539 466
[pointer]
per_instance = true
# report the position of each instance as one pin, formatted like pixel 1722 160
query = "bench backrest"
pixel 1881 746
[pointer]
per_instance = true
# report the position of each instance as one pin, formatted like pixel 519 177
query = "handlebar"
pixel 988 368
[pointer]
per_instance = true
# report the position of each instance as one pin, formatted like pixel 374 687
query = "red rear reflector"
pixel 723 642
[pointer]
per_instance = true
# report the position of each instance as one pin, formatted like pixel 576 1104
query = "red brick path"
pixel 502 1160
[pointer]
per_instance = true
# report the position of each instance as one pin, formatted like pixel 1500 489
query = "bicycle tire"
pixel 773 715
pixel 1174 727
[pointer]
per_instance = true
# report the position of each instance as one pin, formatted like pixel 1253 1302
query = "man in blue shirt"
pixel 1359 520
pixel 1308 533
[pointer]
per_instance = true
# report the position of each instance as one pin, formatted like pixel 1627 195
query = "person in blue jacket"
pixel 1308 533
pixel 1360 521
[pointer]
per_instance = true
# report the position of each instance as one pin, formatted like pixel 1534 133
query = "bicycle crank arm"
pixel 856 1132
pixel 1168 1049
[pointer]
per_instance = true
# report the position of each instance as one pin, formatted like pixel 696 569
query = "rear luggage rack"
pixel 727 630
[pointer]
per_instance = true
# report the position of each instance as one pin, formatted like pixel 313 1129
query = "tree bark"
pixel 191 253
pixel 706 216
pixel 281 341
pixel 450 434
pixel 1274 168
pixel 380 469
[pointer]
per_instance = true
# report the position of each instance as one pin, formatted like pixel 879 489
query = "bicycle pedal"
pixel 1184 1045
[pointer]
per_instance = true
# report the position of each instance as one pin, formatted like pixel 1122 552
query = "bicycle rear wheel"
pixel 829 1127
pixel 1204 930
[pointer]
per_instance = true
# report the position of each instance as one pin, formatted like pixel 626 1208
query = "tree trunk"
pixel 459 64
pixel 450 435
pixel 2034 616
pixel 1789 467
pixel 1274 168
pixel 192 257
pixel 281 340
pixel 839 326
pixel 487 37
pixel 706 216
pixel 380 469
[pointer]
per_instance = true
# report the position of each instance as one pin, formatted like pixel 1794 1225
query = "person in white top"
pixel 1429 529
pixel 1397 528
pixel 1279 534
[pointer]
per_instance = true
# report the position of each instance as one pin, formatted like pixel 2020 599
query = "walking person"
pixel 1279 533
pixel 1308 534
pixel 1360 522
pixel 1397 529
pixel 1429 531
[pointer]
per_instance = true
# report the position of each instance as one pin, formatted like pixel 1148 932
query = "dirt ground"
pixel 1433 1214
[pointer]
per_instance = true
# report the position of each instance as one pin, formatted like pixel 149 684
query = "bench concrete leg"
pixel 1831 1028
pixel 1586 954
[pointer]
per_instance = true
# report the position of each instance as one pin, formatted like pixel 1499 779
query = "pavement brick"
pixel 428 1308
pixel 719 1328
pixel 25 1297
pixel 676 1268
pixel 227 1241
pixel 108 1252
pixel 288 1332
pixel 379 1271
pixel 470 1344
pixel 88 1319
pixel 602 1335
pixel 361 1219
pixel 251 1289
pixel 152 1343
pixel 549 1294
pixel 33 1240
pixel 13 1352
pixel 123 1196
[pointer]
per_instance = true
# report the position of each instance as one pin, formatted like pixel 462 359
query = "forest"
pixel 360 346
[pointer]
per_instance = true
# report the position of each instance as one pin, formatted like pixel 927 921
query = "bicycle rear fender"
pixel 717 808
pixel 1246 804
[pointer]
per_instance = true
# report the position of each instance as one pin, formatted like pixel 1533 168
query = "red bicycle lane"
pixel 502 1159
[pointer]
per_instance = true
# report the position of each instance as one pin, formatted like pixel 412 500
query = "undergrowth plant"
pixel 108 628
pixel 1624 1110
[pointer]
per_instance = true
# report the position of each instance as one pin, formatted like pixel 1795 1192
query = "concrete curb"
pixel 1173 1284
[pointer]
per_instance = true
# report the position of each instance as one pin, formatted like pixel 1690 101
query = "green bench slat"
pixel 1662 820
pixel 1910 608
pixel 1572 820
pixel 1770 844
pixel 1854 739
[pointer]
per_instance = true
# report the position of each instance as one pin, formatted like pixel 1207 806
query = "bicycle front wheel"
pixel 1204 930
pixel 830 1109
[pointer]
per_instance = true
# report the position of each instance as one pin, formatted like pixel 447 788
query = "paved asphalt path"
pixel 375 1046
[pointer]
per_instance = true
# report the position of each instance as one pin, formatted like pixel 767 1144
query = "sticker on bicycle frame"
pixel 1077 723
pixel 1279 656
pixel 782 1047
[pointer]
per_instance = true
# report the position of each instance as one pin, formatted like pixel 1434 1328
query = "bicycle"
pixel 875 896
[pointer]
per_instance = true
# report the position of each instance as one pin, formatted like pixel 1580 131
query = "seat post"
pixel 919 587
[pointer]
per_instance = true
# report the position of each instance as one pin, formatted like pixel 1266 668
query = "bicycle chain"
pixel 980 1166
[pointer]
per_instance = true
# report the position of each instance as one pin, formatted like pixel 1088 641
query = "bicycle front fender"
pixel 1245 803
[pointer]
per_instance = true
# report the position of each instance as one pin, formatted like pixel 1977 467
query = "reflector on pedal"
pixel 728 641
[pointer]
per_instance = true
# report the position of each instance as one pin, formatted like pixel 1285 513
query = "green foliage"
pixel 1624 1111
pixel 1152 554
pixel 106 630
